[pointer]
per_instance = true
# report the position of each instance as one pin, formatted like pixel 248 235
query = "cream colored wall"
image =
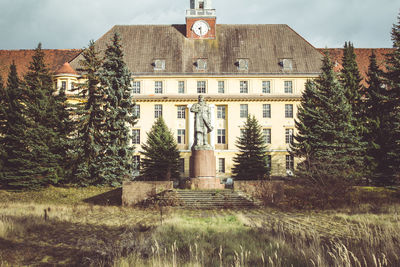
pixel 233 123
pixel 69 79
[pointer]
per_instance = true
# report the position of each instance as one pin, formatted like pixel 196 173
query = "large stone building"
pixel 240 69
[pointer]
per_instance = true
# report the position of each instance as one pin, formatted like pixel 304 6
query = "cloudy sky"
pixel 71 24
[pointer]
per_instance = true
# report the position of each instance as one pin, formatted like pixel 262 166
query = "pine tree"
pixel 350 78
pixel 116 161
pixel 89 113
pixel 374 110
pixel 161 154
pixel 391 170
pixel 15 154
pixel 327 136
pixel 250 163
pixel 2 122
pixel 44 137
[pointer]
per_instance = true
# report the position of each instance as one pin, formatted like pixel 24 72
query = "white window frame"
pixel 181 87
pixel 221 165
pixel 267 135
pixel 289 135
pixel 221 87
pixel 244 110
pixel 136 87
pixel 288 87
pixel 181 112
pixel 158 87
pixel 289 162
pixel 266 86
pixel 181 136
pixel 201 87
pixel 221 136
pixel 244 87
pixel 136 136
pixel 136 111
pixel 221 112
pixel 266 110
pixel 158 109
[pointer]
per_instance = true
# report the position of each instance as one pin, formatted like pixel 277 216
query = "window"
pixel 136 163
pixel 220 112
pixel 136 111
pixel 201 4
pixel 221 87
pixel 136 136
pixel 267 136
pixel 286 64
pixel 288 87
pixel 201 87
pixel 243 110
pixel 63 85
pixel 289 162
pixel 288 111
pixel 244 87
pixel 243 64
pixel 201 64
pixel 159 64
pixel 221 136
pixel 221 165
pixel 158 87
pixel 181 136
pixel 136 88
pixel 181 112
pixel 181 165
pixel 181 87
pixel 289 136
pixel 266 87
pixel 268 162
pixel 266 110
pixel 157 111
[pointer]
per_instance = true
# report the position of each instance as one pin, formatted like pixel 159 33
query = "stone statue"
pixel 202 124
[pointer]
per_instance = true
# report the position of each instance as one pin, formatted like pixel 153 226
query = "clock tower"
pixel 200 20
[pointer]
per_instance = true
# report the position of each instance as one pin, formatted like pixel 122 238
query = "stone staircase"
pixel 213 199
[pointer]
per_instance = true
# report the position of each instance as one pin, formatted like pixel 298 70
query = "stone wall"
pixel 269 192
pixel 137 191
pixel 206 183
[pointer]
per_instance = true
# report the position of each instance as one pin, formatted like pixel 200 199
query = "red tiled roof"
pixel 362 58
pixel 54 58
pixel 66 69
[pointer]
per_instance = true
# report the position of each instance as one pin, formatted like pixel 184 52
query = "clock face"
pixel 200 28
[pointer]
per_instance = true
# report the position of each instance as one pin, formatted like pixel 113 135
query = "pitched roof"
pixel 54 58
pixel 65 69
pixel 362 58
pixel 263 45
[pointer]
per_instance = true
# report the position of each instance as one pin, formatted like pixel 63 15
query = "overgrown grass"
pixel 37 232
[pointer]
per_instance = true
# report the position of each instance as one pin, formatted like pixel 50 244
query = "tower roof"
pixel 66 69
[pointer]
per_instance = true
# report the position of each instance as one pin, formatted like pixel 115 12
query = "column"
pixel 212 134
pixel 191 127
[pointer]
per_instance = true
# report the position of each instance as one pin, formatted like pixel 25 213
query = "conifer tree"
pixel 391 170
pixel 250 163
pixel 161 154
pixel 13 129
pixel 375 112
pixel 350 78
pixel 2 121
pixel 45 136
pixel 89 114
pixel 118 116
pixel 326 128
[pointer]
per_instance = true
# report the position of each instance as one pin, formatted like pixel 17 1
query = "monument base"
pixel 202 170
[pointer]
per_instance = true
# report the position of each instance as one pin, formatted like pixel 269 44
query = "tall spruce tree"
pixel 161 154
pixel 350 78
pixel 391 170
pixel 88 143
pixel 327 135
pixel 2 121
pixel 251 161
pixel 45 135
pixel 376 115
pixel 118 116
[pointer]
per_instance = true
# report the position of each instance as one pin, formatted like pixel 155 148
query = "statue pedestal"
pixel 202 170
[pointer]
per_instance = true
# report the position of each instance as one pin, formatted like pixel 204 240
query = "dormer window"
pixel 201 64
pixel 286 64
pixel 243 64
pixel 201 4
pixel 159 64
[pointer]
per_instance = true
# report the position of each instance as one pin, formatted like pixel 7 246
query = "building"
pixel 240 69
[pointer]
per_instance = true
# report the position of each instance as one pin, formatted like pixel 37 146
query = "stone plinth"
pixel 206 183
pixel 202 164
pixel 137 191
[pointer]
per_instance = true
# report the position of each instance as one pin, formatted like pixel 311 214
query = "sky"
pixel 60 24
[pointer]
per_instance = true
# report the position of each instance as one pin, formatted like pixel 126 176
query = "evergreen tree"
pixel 375 112
pixel 13 129
pixel 44 137
pixel 327 136
pixel 2 121
pixel 250 163
pixel 116 160
pixel 161 154
pixel 89 114
pixel 391 170
pixel 350 79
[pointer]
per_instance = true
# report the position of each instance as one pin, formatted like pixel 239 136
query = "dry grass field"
pixel 67 227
